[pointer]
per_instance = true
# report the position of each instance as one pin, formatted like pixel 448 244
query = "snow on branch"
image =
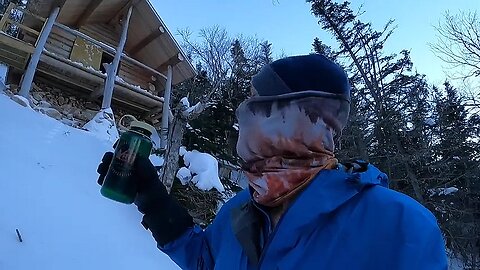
pixel 202 170
pixel 442 191
pixel 192 112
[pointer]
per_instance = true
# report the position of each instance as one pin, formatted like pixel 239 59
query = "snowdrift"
pixel 49 193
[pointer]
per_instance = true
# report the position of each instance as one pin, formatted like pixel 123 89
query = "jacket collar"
pixel 327 192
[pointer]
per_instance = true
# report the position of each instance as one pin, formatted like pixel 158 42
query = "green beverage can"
pixel 119 184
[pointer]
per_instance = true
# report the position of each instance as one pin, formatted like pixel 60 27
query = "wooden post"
pixel 40 45
pixel 171 156
pixel 166 108
pixel 112 71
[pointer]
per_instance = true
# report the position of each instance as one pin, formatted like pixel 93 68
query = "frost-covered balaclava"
pixel 287 129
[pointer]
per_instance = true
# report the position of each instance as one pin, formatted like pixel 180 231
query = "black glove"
pixel 356 166
pixel 163 215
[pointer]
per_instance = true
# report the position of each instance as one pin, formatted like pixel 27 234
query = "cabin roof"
pixel 149 40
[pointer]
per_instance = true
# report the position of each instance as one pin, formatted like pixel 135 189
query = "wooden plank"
pixel 12 63
pixel 12 52
pixel 60 50
pixel 42 19
pixel 106 35
pixel 61 70
pixel 110 49
pixel 125 74
pixel 62 42
pixel 16 43
pixel 29 38
pixel 97 92
pixel 170 62
pixel 135 80
pixel 59 45
pixel 145 41
pixel 26 28
pixel 66 64
pixel 11 57
pixel 87 12
pixel 6 16
pixel 60 32
pixel 56 50
pixel 103 31
pixel 6 53
pixel 135 74
pixel 123 10
pixel 56 45
pixel 65 77
pixel 136 70
pixel 62 39
pixel 132 81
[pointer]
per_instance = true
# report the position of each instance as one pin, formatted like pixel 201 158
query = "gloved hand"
pixel 145 176
pixel 163 215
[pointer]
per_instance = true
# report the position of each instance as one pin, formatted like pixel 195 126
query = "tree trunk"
pixel 170 165
pixel 411 176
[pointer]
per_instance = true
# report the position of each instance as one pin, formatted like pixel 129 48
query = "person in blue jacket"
pixel 303 209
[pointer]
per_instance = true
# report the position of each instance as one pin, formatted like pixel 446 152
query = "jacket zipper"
pixel 271 233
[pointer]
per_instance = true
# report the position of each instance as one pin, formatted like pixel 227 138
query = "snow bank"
pixel 3 76
pixel 157 160
pixel 3 72
pixel 103 125
pixel 50 194
pixel 22 101
pixel 455 263
pixel 184 101
pixel 184 175
pixel 204 169
pixel 155 140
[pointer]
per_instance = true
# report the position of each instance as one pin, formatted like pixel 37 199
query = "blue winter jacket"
pixel 340 221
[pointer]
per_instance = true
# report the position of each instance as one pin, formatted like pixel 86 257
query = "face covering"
pixel 284 141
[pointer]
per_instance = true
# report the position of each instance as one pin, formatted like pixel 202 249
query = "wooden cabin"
pixel 89 46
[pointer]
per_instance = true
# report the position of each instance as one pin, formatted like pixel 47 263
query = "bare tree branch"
pixel 458 42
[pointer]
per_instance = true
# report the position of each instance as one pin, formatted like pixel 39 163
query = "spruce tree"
pixel 457 167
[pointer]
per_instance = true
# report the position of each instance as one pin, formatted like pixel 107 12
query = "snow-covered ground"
pixel 49 193
pixel 455 263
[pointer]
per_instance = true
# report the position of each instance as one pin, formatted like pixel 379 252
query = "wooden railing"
pixel 6 21
pixel 14 50
pixel 109 49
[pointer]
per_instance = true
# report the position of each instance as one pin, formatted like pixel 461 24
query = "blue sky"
pixel 289 25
